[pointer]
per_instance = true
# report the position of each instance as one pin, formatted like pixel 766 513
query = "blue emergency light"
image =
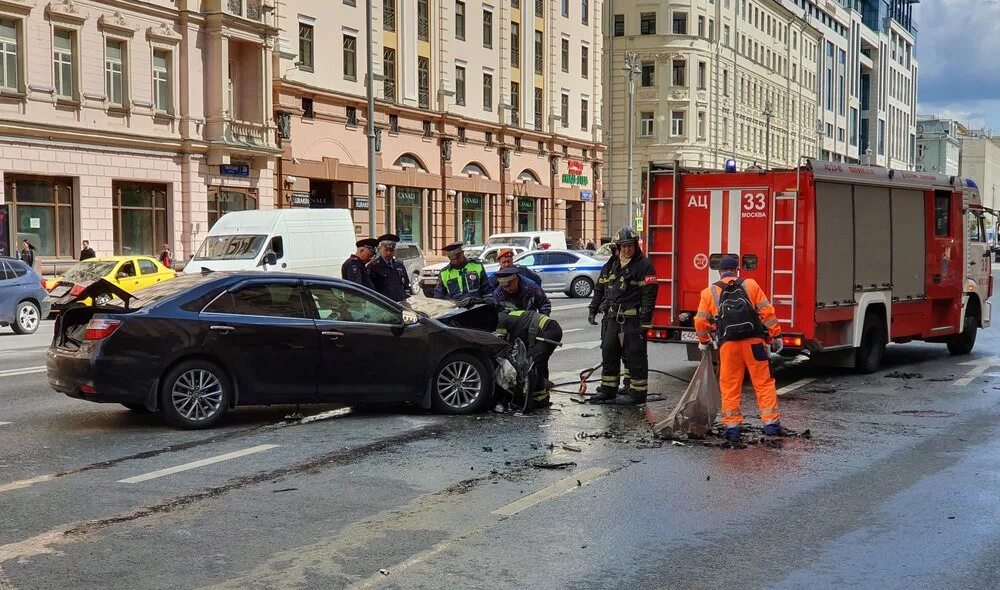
pixel 730 165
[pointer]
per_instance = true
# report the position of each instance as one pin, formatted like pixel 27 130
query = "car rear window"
pixel 407 252
pixel 167 289
pixel 88 271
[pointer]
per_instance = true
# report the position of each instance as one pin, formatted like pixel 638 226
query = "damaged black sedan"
pixel 196 346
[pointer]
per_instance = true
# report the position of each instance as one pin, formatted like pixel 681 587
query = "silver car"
pixel 412 258
pixel 568 271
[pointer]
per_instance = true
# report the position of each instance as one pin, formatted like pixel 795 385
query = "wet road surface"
pixel 896 488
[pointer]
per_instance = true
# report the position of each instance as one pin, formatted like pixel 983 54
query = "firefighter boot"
pixel 632 398
pixel 604 395
pixel 733 434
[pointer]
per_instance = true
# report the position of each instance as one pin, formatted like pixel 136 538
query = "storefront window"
pixel 140 217
pixel 408 214
pixel 472 218
pixel 43 213
pixel 223 200
pixel 525 214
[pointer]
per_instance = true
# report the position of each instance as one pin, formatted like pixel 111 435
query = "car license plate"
pixel 689 337
pixel 59 291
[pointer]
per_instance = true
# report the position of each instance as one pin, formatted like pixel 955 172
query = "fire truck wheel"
pixel 868 357
pixel 964 342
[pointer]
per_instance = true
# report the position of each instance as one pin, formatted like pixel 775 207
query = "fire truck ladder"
pixel 672 203
pixel 783 253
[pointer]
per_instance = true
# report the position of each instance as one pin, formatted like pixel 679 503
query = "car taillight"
pixel 795 341
pixel 99 329
pixel 76 290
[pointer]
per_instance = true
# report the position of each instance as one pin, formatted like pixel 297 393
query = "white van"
pixel 532 240
pixel 312 241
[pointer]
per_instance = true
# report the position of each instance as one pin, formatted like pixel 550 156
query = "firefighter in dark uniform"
pixel 354 269
pixel 540 334
pixel 625 294
pixel 462 278
pixel 520 292
pixel 388 274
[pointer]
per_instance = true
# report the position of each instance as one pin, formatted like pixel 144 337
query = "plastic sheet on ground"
pixel 695 412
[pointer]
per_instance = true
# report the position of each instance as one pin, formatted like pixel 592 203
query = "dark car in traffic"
pixel 198 345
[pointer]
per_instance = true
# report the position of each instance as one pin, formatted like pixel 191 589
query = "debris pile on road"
pixel 904 375
pixel 697 408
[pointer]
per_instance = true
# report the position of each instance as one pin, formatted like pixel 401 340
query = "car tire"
pixel 868 357
pixel 195 394
pixel 581 287
pixel 461 385
pixel 27 316
pixel 964 343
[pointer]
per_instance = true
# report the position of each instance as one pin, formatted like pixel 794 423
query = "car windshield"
pixel 473 252
pixel 88 270
pixel 240 247
pixel 161 291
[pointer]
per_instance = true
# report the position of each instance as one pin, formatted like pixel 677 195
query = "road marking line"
pixel 577 306
pixel 196 464
pixel 25 483
pixel 971 375
pixel 22 371
pixel 572 330
pixel 4 423
pixel 557 489
pixel 796 385
pixel 579 345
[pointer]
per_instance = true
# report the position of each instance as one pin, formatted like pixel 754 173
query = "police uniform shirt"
pixel 354 270
pixel 389 278
pixel 458 283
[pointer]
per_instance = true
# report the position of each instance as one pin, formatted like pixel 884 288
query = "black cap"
pixel 729 262
pixel 506 275
pixel 452 247
pixel 388 238
pixel 367 243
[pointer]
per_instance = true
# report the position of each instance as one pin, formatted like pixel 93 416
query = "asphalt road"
pixel 897 488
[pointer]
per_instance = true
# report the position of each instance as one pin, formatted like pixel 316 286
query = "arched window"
pixel 410 161
pixel 528 175
pixel 475 168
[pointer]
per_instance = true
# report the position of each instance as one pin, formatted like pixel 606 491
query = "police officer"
pixel 540 334
pixel 519 292
pixel 388 274
pixel 506 259
pixel 462 278
pixel 625 294
pixel 354 269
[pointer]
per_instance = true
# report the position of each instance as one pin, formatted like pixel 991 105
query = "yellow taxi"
pixel 131 273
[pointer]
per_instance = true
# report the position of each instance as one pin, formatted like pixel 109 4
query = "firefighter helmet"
pixel 626 235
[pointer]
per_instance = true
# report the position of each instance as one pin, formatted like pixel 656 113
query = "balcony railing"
pixel 389 15
pixel 515 117
pixel 538 120
pixel 539 5
pixel 250 9
pixel 538 63
pixel 253 10
pixel 515 57
pixel 248 133
pixel 423 29
pixel 234 7
pixel 389 89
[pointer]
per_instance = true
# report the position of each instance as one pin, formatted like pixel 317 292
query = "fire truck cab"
pixel 853 257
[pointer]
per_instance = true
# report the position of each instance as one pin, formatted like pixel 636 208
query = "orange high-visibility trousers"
pixel 734 359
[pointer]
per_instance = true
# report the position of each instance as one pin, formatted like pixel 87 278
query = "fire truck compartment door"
pixel 834 244
pixel 872 240
pixel 909 249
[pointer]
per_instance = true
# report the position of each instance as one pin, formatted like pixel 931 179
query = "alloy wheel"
pixel 27 318
pixel 459 384
pixel 197 395
pixel 582 288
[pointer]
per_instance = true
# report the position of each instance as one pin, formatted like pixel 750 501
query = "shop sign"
pixel 472 201
pixel 234 169
pixel 586 196
pixel 300 199
pixel 638 223
pixel 525 205
pixel 407 197
pixel 572 180
pixel 575 167
pixel 360 202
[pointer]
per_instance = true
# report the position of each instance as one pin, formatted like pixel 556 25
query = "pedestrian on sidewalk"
pixel 86 252
pixel 165 257
pixel 28 253
pixel 739 312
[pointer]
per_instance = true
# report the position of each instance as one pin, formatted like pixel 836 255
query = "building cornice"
pixel 66 11
pixel 21 7
pixel 117 24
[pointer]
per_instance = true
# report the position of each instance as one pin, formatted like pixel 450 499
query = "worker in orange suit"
pixel 743 319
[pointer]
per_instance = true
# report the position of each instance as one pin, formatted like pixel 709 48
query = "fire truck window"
pixel 942 213
pixel 750 262
pixel 977 232
pixel 715 259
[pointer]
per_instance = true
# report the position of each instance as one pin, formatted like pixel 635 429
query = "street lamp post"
pixel 631 70
pixel 768 115
pixel 372 199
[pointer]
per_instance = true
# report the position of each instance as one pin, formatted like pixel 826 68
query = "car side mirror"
pixel 122 275
pixel 270 259
pixel 410 318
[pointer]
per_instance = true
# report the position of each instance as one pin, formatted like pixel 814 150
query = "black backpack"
pixel 738 318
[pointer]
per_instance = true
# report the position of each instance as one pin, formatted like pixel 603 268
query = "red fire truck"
pixel 853 257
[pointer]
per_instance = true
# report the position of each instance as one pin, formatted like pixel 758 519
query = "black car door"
pixel 262 329
pixel 366 352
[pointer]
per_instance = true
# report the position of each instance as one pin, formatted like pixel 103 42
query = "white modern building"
pixel 488 115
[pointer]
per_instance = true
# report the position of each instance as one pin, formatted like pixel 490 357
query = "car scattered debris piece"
pixel 904 375
pixel 564 465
